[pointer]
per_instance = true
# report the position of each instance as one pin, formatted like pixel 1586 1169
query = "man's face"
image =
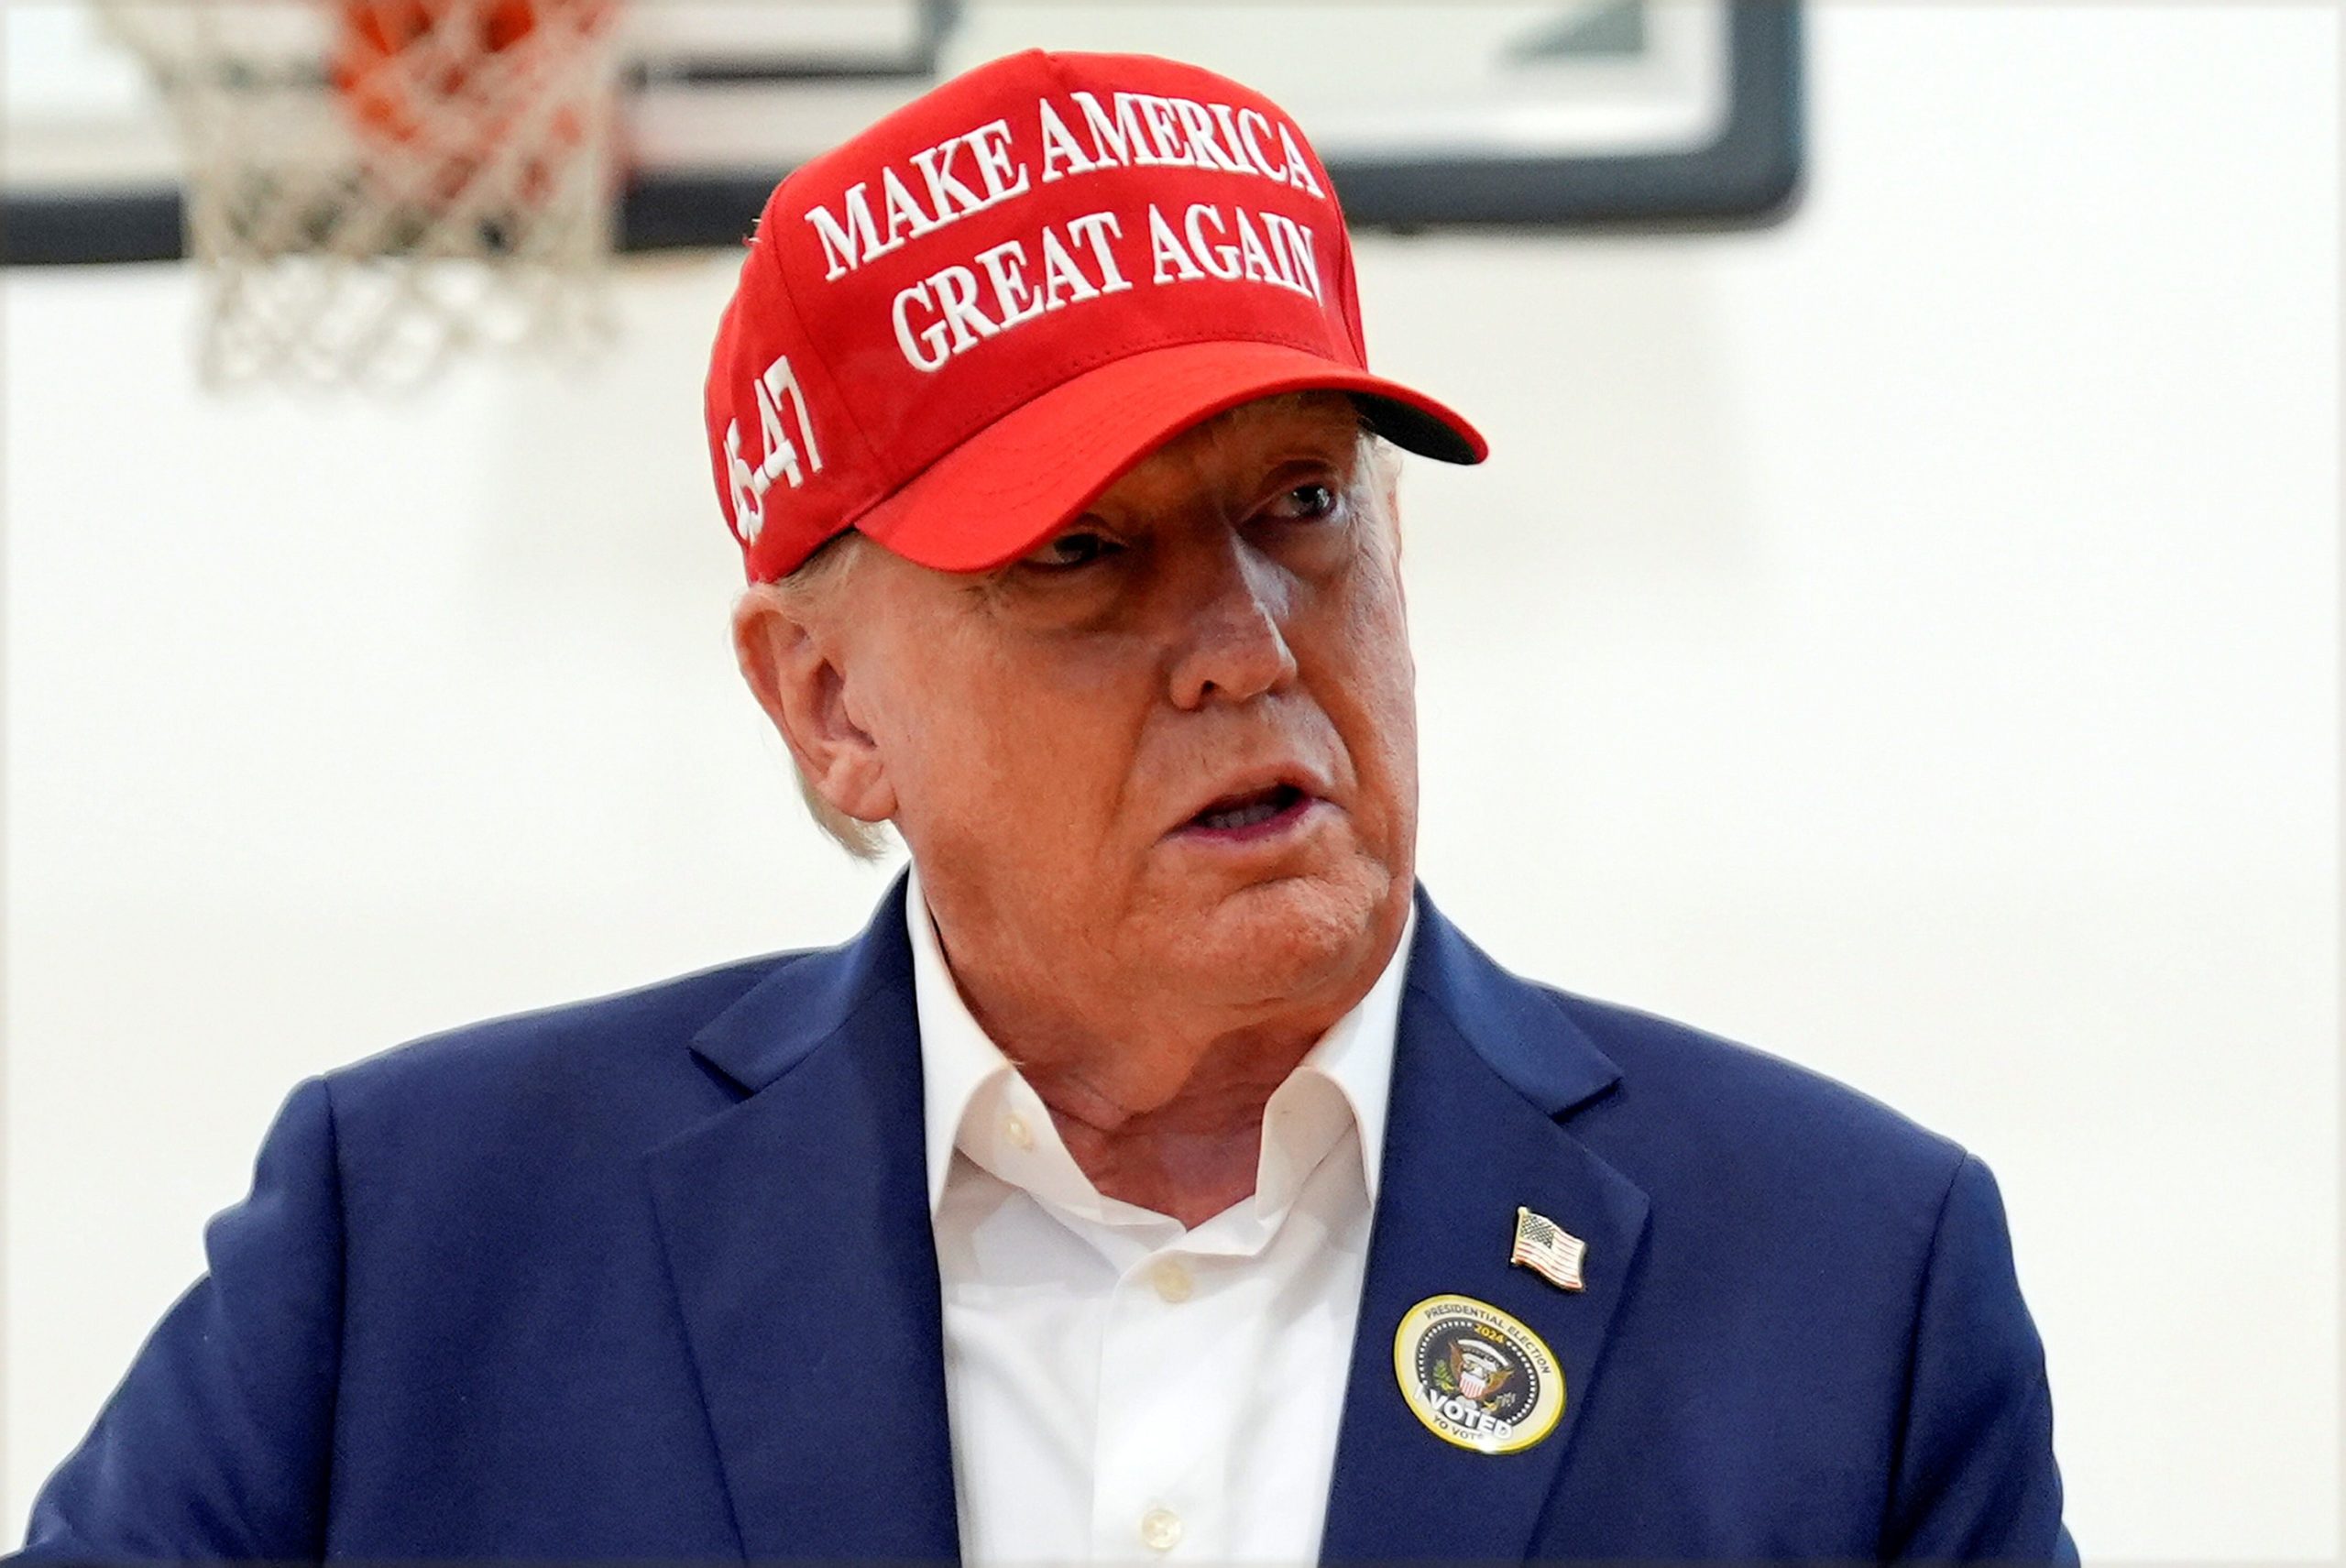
pixel 1174 748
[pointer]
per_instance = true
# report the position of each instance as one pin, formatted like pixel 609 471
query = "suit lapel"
pixel 798 1233
pixel 1484 1069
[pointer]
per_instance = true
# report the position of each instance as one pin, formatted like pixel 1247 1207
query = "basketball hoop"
pixel 374 185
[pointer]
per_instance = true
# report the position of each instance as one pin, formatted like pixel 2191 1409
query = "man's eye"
pixel 1307 503
pixel 1070 549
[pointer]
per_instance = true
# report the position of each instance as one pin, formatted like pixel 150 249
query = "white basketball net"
pixel 374 185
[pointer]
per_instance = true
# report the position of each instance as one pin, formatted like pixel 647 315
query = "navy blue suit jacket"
pixel 604 1282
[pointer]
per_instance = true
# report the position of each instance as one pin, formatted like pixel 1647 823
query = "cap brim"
pixel 1008 487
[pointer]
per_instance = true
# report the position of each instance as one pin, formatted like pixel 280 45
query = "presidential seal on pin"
pixel 1476 1376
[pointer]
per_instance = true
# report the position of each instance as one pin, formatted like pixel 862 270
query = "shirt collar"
pixel 960 1063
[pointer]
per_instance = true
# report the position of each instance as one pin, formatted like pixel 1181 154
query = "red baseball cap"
pixel 955 330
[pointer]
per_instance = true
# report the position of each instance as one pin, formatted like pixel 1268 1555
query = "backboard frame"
pixel 1748 175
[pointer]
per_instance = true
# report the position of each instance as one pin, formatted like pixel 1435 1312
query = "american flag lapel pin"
pixel 1547 1249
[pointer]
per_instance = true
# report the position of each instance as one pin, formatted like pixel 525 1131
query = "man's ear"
pixel 797 670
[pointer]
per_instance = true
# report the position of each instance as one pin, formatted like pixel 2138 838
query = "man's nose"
pixel 1231 641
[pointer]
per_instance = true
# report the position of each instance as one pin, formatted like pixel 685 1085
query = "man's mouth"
pixel 1255 812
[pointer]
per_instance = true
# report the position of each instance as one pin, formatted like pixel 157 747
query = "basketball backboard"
pixel 1427 112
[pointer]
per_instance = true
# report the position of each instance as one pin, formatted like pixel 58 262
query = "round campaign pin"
pixel 1476 1376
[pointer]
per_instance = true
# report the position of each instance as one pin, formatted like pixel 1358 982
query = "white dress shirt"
pixel 1120 1387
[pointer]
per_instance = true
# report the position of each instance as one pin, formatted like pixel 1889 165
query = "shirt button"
pixel 1014 1128
pixel 1160 1529
pixel 1173 1284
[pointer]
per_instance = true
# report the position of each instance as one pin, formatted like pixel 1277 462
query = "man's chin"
pixel 1282 938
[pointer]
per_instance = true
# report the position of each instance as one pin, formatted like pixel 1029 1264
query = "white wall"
pixel 1906 640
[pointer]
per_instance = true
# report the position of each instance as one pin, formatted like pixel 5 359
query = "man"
pixel 1160 1174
